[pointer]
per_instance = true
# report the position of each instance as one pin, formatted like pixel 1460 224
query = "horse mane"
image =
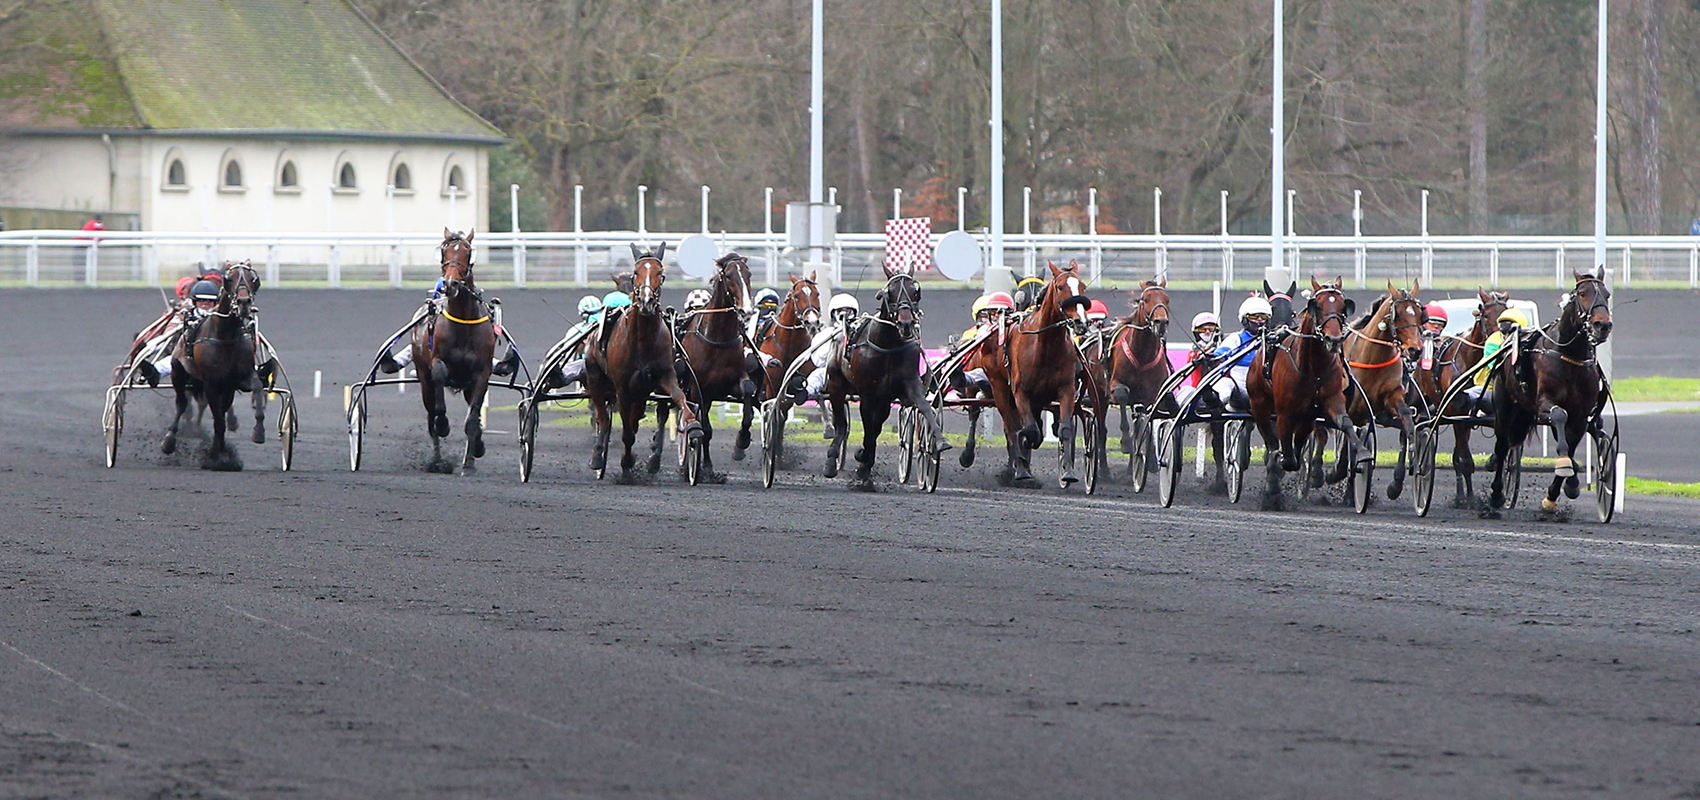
pixel 1364 319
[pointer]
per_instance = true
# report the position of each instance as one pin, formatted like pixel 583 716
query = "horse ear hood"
pixel 1351 307
pixel 661 251
pixel 637 252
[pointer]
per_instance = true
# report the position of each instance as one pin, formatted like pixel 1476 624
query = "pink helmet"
pixel 1204 318
pixel 1097 310
pixel 1001 301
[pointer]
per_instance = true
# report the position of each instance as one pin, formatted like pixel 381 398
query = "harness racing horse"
pixel 452 348
pixel 786 338
pixel 989 357
pixel 1139 356
pixel 632 357
pixel 218 362
pixel 880 363
pixel 1455 356
pixel 1557 383
pixel 1380 347
pixel 1306 379
pixel 713 357
pixel 1043 366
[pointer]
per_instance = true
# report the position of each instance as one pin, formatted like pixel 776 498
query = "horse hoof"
pixel 1548 504
pixel 1127 447
pixel 1289 464
pixel 717 478
pixel 862 483
pixel 966 459
pixel 1274 502
pixel 738 454
pixel 1026 482
pixel 653 465
pixel 168 446
pixel 831 470
pixel 1463 502
pixel 259 436
pixel 469 469
pixel 440 427
pixel 1068 480
pixel 1217 486
pixel 1489 513
pixel 478 447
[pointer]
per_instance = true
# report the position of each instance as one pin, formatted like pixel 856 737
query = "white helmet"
pixel 697 298
pixel 1254 305
pixel 1203 318
pixel 843 301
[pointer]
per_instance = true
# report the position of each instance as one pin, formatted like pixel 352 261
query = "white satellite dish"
pixel 697 254
pixel 958 256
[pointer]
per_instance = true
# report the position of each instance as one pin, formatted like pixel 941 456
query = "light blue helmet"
pixel 589 305
pixel 767 297
pixel 616 300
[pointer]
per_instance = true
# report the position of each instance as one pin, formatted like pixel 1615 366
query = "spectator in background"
pixel 93 225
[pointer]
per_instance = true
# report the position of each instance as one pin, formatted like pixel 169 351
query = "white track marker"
pixel 318 382
pixel 1198 459
pixel 1617 491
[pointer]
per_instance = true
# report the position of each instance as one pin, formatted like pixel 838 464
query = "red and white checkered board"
pixel 909 244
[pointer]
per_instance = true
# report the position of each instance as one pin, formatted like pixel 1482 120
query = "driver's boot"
pixel 149 373
pixel 387 364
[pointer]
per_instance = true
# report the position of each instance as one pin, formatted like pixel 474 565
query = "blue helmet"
pixel 767 297
pixel 204 290
pixel 616 300
pixel 589 305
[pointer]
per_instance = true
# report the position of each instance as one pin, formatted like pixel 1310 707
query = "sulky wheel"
pixel 1236 441
pixel 527 438
pixel 1139 462
pixel 1169 458
pixel 772 429
pixel 114 425
pixel 1513 475
pixel 930 458
pixel 287 427
pixel 1605 475
pixel 693 458
pixel 1423 445
pixel 906 417
pixel 356 430
pixel 1094 452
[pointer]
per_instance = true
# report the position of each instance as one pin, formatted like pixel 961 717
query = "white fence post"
pixel 395 265
pixel 150 264
pixel 1694 267
pixel 767 231
pixel 1161 265
pixel 91 263
pixel 1493 267
pixel 581 254
pixel 517 250
pixel 1097 259
pixel 32 265
pixel 333 267
pixel 1030 254
pixel 272 266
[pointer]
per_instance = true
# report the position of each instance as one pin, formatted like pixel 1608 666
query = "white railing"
pixel 70 258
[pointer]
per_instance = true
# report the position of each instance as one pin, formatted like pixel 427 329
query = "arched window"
pixel 230 172
pixel 175 175
pixel 232 175
pixel 454 177
pixel 402 179
pixel 345 177
pixel 457 181
pixel 287 177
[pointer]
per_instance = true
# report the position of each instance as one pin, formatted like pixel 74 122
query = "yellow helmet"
pixel 979 305
pixel 1514 316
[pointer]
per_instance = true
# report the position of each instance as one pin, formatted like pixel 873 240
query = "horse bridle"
pixel 802 312
pixel 453 286
pixel 1584 316
pixel 1323 320
pixel 894 304
pixel 1150 323
pixel 645 297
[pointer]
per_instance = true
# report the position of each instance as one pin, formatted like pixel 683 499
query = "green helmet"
pixel 616 300
pixel 589 305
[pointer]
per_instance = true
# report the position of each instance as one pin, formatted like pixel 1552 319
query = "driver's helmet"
pixel 843 305
pixel 204 290
pixel 1206 327
pixel 767 300
pixel 616 300
pixel 1513 316
pixel 1435 313
pixel 1097 311
pixel 697 298
pixel 1028 292
pixel 184 284
pixel 589 305
pixel 1254 313
pixel 1000 301
pixel 980 304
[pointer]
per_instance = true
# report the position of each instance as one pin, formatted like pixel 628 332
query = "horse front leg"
pixel 707 420
pixel 259 391
pixel 1065 438
pixel 1464 466
pixel 179 385
pixel 874 416
pixel 967 457
pixel 602 413
pixel 743 442
pixel 840 433
pixel 1564 474
pixel 1496 494
pixel 1273 461
pixel 219 456
pixel 631 416
pixel 1407 429
pixel 1218 485
pixel 662 412
pixel 474 425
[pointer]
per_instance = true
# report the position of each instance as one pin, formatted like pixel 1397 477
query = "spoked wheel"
pixel 691 450
pixel 1513 475
pixel 1605 475
pixel 286 429
pixel 527 438
pixel 929 455
pixel 905 443
pixel 1138 463
pixel 114 425
pixel 1311 445
pixel 1168 461
pixel 356 430
pixel 1361 476
pixel 1094 452
pixel 1423 446
pixel 772 428
pixel 1236 440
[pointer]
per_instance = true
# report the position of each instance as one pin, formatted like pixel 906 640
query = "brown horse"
pixel 631 358
pixel 1555 382
pixel 452 348
pixel 989 357
pixel 786 338
pixel 1139 354
pixel 1454 356
pixel 218 361
pixel 1042 366
pixel 880 363
pixel 714 366
pixel 1380 347
pixel 1306 381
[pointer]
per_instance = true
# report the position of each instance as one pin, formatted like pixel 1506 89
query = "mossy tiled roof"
pixel 216 65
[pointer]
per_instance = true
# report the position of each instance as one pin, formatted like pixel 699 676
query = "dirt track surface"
pixel 169 632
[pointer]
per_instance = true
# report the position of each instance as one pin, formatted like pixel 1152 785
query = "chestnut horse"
pixel 714 365
pixel 881 364
pixel 216 364
pixel 786 338
pixel 452 348
pixel 1042 366
pixel 1307 380
pixel 1380 347
pixel 1556 382
pixel 1139 354
pixel 1454 356
pixel 631 358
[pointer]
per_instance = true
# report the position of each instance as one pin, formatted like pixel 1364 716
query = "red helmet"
pixel 183 285
pixel 1435 312
pixel 1097 310
pixel 1000 300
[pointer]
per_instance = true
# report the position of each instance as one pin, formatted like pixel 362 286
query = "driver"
pixel 826 346
pixel 203 298
pixel 1511 322
pixel 1436 322
pixel 1254 317
pixel 990 312
pixel 767 310
pixel 594 313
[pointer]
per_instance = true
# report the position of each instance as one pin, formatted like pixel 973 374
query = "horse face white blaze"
pixel 1072 283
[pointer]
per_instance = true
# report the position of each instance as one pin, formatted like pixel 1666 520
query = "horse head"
pixel 241 282
pixel 1405 318
pixel 1281 311
pixel 1151 307
pixel 900 301
pixel 1066 293
pixel 647 275
pixel 1328 309
pixel 1489 305
pixel 732 284
pixel 804 302
pixel 456 252
pixel 1592 303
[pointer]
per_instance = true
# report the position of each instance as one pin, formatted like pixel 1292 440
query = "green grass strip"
pixel 1635 485
pixel 1661 389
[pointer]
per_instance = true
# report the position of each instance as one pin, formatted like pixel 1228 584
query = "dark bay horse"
pixel 786 338
pixel 1454 356
pixel 1554 381
pixel 714 366
pixel 1378 349
pixel 216 364
pixel 452 348
pixel 1139 354
pixel 1307 381
pixel 880 363
pixel 1043 366
pixel 631 358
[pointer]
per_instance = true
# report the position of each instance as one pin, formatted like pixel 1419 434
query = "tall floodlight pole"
pixel 816 181
pixel 1278 153
pixel 1604 352
pixel 998 277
